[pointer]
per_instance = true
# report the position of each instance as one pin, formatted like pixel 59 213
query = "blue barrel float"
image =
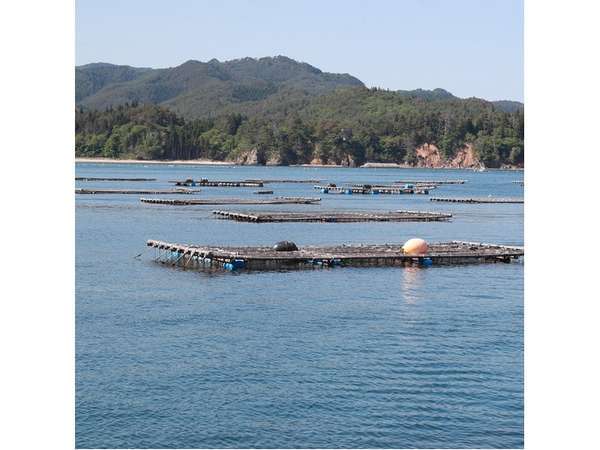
pixel 425 262
pixel 234 264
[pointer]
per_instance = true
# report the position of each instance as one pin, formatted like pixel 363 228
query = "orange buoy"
pixel 415 246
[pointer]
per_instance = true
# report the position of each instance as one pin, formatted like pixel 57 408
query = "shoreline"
pixel 180 162
pixel 210 162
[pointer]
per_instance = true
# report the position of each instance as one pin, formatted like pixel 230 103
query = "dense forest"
pixel 279 111
pixel 347 126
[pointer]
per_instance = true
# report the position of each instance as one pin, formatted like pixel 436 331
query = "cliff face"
pixel 247 158
pixel 429 156
pixel 466 157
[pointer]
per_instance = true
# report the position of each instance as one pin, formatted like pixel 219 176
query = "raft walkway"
pixel 112 179
pixel 333 216
pixel 233 201
pixel 418 186
pixel 370 190
pixel 266 258
pixel 431 181
pixel 136 191
pixel 284 180
pixel 476 200
pixel 216 183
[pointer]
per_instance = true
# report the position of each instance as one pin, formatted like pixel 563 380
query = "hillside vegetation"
pixel 196 89
pixel 348 126
pixel 279 111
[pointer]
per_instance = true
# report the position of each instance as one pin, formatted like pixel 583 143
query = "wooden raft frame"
pixel 137 191
pixel 112 179
pixel 266 258
pixel 217 183
pixel 431 181
pixel 282 180
pixel 371 190
pixel 232 201
pixel 476 200
pixel 333 216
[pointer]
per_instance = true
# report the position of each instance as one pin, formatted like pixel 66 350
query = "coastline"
pixel 210 162
pixel 190 162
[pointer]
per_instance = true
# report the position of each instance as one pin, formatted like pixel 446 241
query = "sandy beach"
pixel 191 162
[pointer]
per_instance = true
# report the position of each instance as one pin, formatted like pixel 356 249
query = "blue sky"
pixel 468 47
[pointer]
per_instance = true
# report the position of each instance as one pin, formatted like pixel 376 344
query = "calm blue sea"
pixel 343 357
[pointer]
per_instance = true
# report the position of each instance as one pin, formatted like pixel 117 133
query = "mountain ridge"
pixel 196 89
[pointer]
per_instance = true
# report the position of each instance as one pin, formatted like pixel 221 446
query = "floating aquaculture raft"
pixel 136 191
pixel 431 181
pixel 372 189
pixel 216 183
pixel 405 187
pixel 284 180
pixel 333 216
pixel 112 179
pixel 232 201
pixel 477 200
pixel 266 258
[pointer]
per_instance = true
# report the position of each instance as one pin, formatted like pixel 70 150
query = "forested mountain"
pixel 196 89
pixel 279 111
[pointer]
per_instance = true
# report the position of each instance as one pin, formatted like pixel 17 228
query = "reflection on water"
pixel 412 280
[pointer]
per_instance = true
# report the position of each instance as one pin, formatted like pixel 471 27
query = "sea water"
pixel 340 357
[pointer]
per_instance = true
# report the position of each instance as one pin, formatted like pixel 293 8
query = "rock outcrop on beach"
pixel 430 156
pixel 247 158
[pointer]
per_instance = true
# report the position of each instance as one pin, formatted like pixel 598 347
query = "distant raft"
pixel 476 200
pixel 232 201
pixel 371 190
pixel 333 216
pixel 431 182
pixel 267 258
pixel 112 179
pixel 407 186
pixel 137 191
pixel 282 180
pixel 216 183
